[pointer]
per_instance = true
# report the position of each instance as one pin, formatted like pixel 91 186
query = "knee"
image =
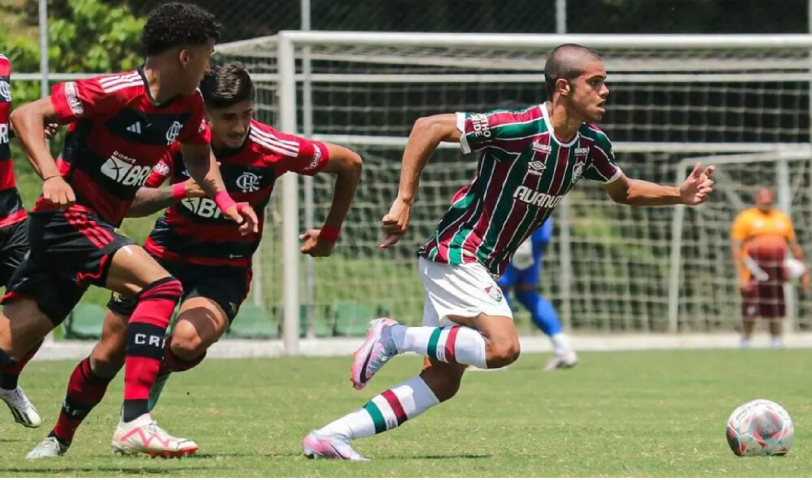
pixel 166 288
pixel 503 353
pixel 186 343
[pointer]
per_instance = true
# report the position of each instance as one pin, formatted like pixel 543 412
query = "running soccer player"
pixel 530 159
pixel 522 275
pixel 13 247
pixel 121 127
pixel 206 252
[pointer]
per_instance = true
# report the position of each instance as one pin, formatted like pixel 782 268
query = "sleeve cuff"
pixel 618 173
pixel 461 127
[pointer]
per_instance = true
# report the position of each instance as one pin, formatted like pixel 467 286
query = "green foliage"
pixel 83 36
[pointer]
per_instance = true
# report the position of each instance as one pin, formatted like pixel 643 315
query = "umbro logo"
pixel 536 168
pixel 135 128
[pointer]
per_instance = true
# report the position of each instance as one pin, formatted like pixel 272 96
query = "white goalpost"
pixel 740 101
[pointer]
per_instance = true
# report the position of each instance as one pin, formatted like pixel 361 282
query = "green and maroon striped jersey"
pixel 523 174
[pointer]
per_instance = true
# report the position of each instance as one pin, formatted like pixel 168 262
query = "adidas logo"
pixel 135 128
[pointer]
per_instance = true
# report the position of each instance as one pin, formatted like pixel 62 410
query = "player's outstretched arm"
pixel 203 168
pixel 695 190
pixel 426 135
pixel 346 166
pixel 27 122
pixel 149 200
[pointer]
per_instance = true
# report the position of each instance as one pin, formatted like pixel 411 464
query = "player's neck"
pixel 565 126
pixel 160 87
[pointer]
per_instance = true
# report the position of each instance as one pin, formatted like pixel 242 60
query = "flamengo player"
pixel 121 127
pixel 13 247
pixel 530 159
pixel 200 248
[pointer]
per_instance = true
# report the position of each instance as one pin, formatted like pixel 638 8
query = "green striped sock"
pixel 454 344
pixel 385 411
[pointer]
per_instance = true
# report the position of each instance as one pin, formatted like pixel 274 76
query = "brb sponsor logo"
pixel 123 170
pixel 539 199
pixel 479 125
pixel 4 133
pixel 202 207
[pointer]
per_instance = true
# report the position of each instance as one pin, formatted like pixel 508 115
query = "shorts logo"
pixel 248 182
pixel 233 307
pixel 73 99
pixel 173 132
pixel 495 293
pixel 5 91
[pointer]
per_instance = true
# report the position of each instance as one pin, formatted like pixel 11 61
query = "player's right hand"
pixel 192 189
pixel 243 215
pixel 57 191
pixel 396 222
pixel 745 285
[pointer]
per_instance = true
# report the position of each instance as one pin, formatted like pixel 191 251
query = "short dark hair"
pixel 226 85
pixel 566 61
pixel 175 24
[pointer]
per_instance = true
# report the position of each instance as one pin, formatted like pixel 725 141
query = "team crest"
pixel 5 91
pixel 248 182
pixel 495 293
pixel 173 132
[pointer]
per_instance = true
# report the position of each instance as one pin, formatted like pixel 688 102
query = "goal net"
pixel 741 100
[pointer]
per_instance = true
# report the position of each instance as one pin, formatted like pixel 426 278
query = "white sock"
pixel 561 344
pixel 385 411
pixel 777 342
pixel 454 344
pixel 744 343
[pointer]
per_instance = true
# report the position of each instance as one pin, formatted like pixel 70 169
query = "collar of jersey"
pixel 154 102
pixel 553 136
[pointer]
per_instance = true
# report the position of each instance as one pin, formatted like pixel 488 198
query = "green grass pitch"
pixel 616 414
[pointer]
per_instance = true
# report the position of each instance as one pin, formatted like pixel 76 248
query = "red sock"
pixel 9 374
pixel 85 391
pixel 145 338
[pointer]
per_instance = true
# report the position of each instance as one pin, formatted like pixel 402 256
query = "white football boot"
pixel 21 407
pixel 143 435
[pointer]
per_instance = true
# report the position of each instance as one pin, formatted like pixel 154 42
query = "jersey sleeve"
pixel 602 166
pixel 299 155
pixel 163 169
pixel 741 227
pixel 504 132
pixel 196 131
pixel 84 99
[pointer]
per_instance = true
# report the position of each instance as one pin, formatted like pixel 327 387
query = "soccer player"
pixel 522 275
pixel 121 127
pixel 761 236
pixel 13 245
pixel 206 252
pixel 529 160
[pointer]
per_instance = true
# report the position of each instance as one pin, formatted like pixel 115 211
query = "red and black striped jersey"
pixel 11 206
pixel 195 230
pixel 118 134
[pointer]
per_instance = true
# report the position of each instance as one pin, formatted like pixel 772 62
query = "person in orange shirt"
pixel 761 236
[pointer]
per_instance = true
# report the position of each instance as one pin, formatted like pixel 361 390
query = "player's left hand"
pixel 696 189
pixel 244 216
pixel 314 245
pixel 395 223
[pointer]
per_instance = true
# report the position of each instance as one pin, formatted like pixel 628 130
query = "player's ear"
pixel 183 57
pixel 562 86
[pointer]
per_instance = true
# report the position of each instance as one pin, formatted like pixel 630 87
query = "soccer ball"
pixel 760 427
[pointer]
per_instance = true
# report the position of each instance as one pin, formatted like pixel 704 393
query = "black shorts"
pixel 224 285
pixel 69 252
pixel 13 249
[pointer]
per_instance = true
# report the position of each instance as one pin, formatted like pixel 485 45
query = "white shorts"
pixel 459 290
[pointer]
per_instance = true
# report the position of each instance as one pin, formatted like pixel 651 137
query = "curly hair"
pixel 174 24
pixel 226 85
